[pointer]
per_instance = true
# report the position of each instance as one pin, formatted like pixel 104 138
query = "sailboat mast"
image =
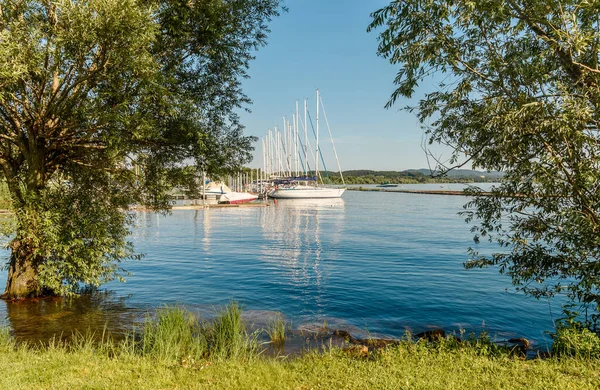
pixel 277 155
pixel 317 141
pixel 296 139
pixel 332 143
pixel 271 153
pixel 289 148
pixel 305 141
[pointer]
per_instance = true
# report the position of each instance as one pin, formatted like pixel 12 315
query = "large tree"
pixel 109 103
pixel 514 86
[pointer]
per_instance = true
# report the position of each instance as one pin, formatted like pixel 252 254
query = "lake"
pixel 372 262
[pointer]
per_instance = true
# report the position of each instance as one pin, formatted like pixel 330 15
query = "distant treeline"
pixel 409 176
pixel 412 176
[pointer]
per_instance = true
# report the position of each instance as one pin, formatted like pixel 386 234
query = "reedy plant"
pixel 276 329
pixel 174 334
pixel 229 338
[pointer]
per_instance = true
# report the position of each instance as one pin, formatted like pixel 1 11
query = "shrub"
pixel 577 341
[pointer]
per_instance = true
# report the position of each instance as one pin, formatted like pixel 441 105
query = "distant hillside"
pixel 462 173
pixel 409 176
pixel 455 173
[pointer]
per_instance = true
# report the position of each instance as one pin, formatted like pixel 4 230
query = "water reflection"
pixel 206 233
pixel 374 260
pixel 43 319
pixel 292 241
pixel 146 226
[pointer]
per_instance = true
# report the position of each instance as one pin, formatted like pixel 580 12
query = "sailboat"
pixel 305 187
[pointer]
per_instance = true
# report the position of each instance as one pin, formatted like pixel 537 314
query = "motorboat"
pixel 237 197
pixel 212 188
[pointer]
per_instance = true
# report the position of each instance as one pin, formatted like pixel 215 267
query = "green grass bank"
pixel 393 368
pixel 175 350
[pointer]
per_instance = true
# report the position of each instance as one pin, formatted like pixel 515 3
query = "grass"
pixel 276 329
pixel 177 335
pixel 228 337
pixel 176 350
pixel 174 335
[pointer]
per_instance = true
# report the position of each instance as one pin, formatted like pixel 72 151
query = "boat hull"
pixel 306 193
pixel 237 197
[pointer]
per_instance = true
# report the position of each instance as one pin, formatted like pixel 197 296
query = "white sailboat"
pixel 304 189
pixel 307 187
pixel 306 192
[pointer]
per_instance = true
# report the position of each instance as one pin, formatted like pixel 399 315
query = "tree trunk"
pixel 22 273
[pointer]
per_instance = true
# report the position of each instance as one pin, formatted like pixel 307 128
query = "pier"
pixel 209 206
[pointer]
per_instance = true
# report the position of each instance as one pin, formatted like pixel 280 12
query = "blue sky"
pixel 324 44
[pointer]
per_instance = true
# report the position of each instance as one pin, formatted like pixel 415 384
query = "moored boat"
pixel 212 188
pixel 237 197
pixel 306 192
pixel 288 165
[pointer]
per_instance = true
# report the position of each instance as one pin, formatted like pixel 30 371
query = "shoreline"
pixel 205 206
pixel 422 192
pixel 174 350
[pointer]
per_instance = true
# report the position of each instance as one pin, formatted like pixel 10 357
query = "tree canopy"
pixel 516 90
pixel 107 103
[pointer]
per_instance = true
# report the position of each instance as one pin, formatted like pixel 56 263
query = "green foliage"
pixel 405 366
pixel 411 177
pixel 174 334
pixel 171 351
pixel 576 336
pixel 109 103
pixel 276 329
pixel 516 90
pixel 228 337
pixel 5 202
pixel 7 342
pixel 78 231
pixel 576 341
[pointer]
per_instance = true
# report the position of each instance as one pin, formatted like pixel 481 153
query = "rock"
pixel 374 343
pixel 432 335
pixel 520 341
pixel 347 336
pixel 519 346
pixel 357 351
pixel 379 343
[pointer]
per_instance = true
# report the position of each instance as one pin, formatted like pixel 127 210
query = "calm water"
pixel 376 262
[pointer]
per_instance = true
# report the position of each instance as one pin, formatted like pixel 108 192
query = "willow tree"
pixel 519 92
pixel 107 103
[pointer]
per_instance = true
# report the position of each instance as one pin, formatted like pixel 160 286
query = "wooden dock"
pixel 209 206
pixel 219 205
